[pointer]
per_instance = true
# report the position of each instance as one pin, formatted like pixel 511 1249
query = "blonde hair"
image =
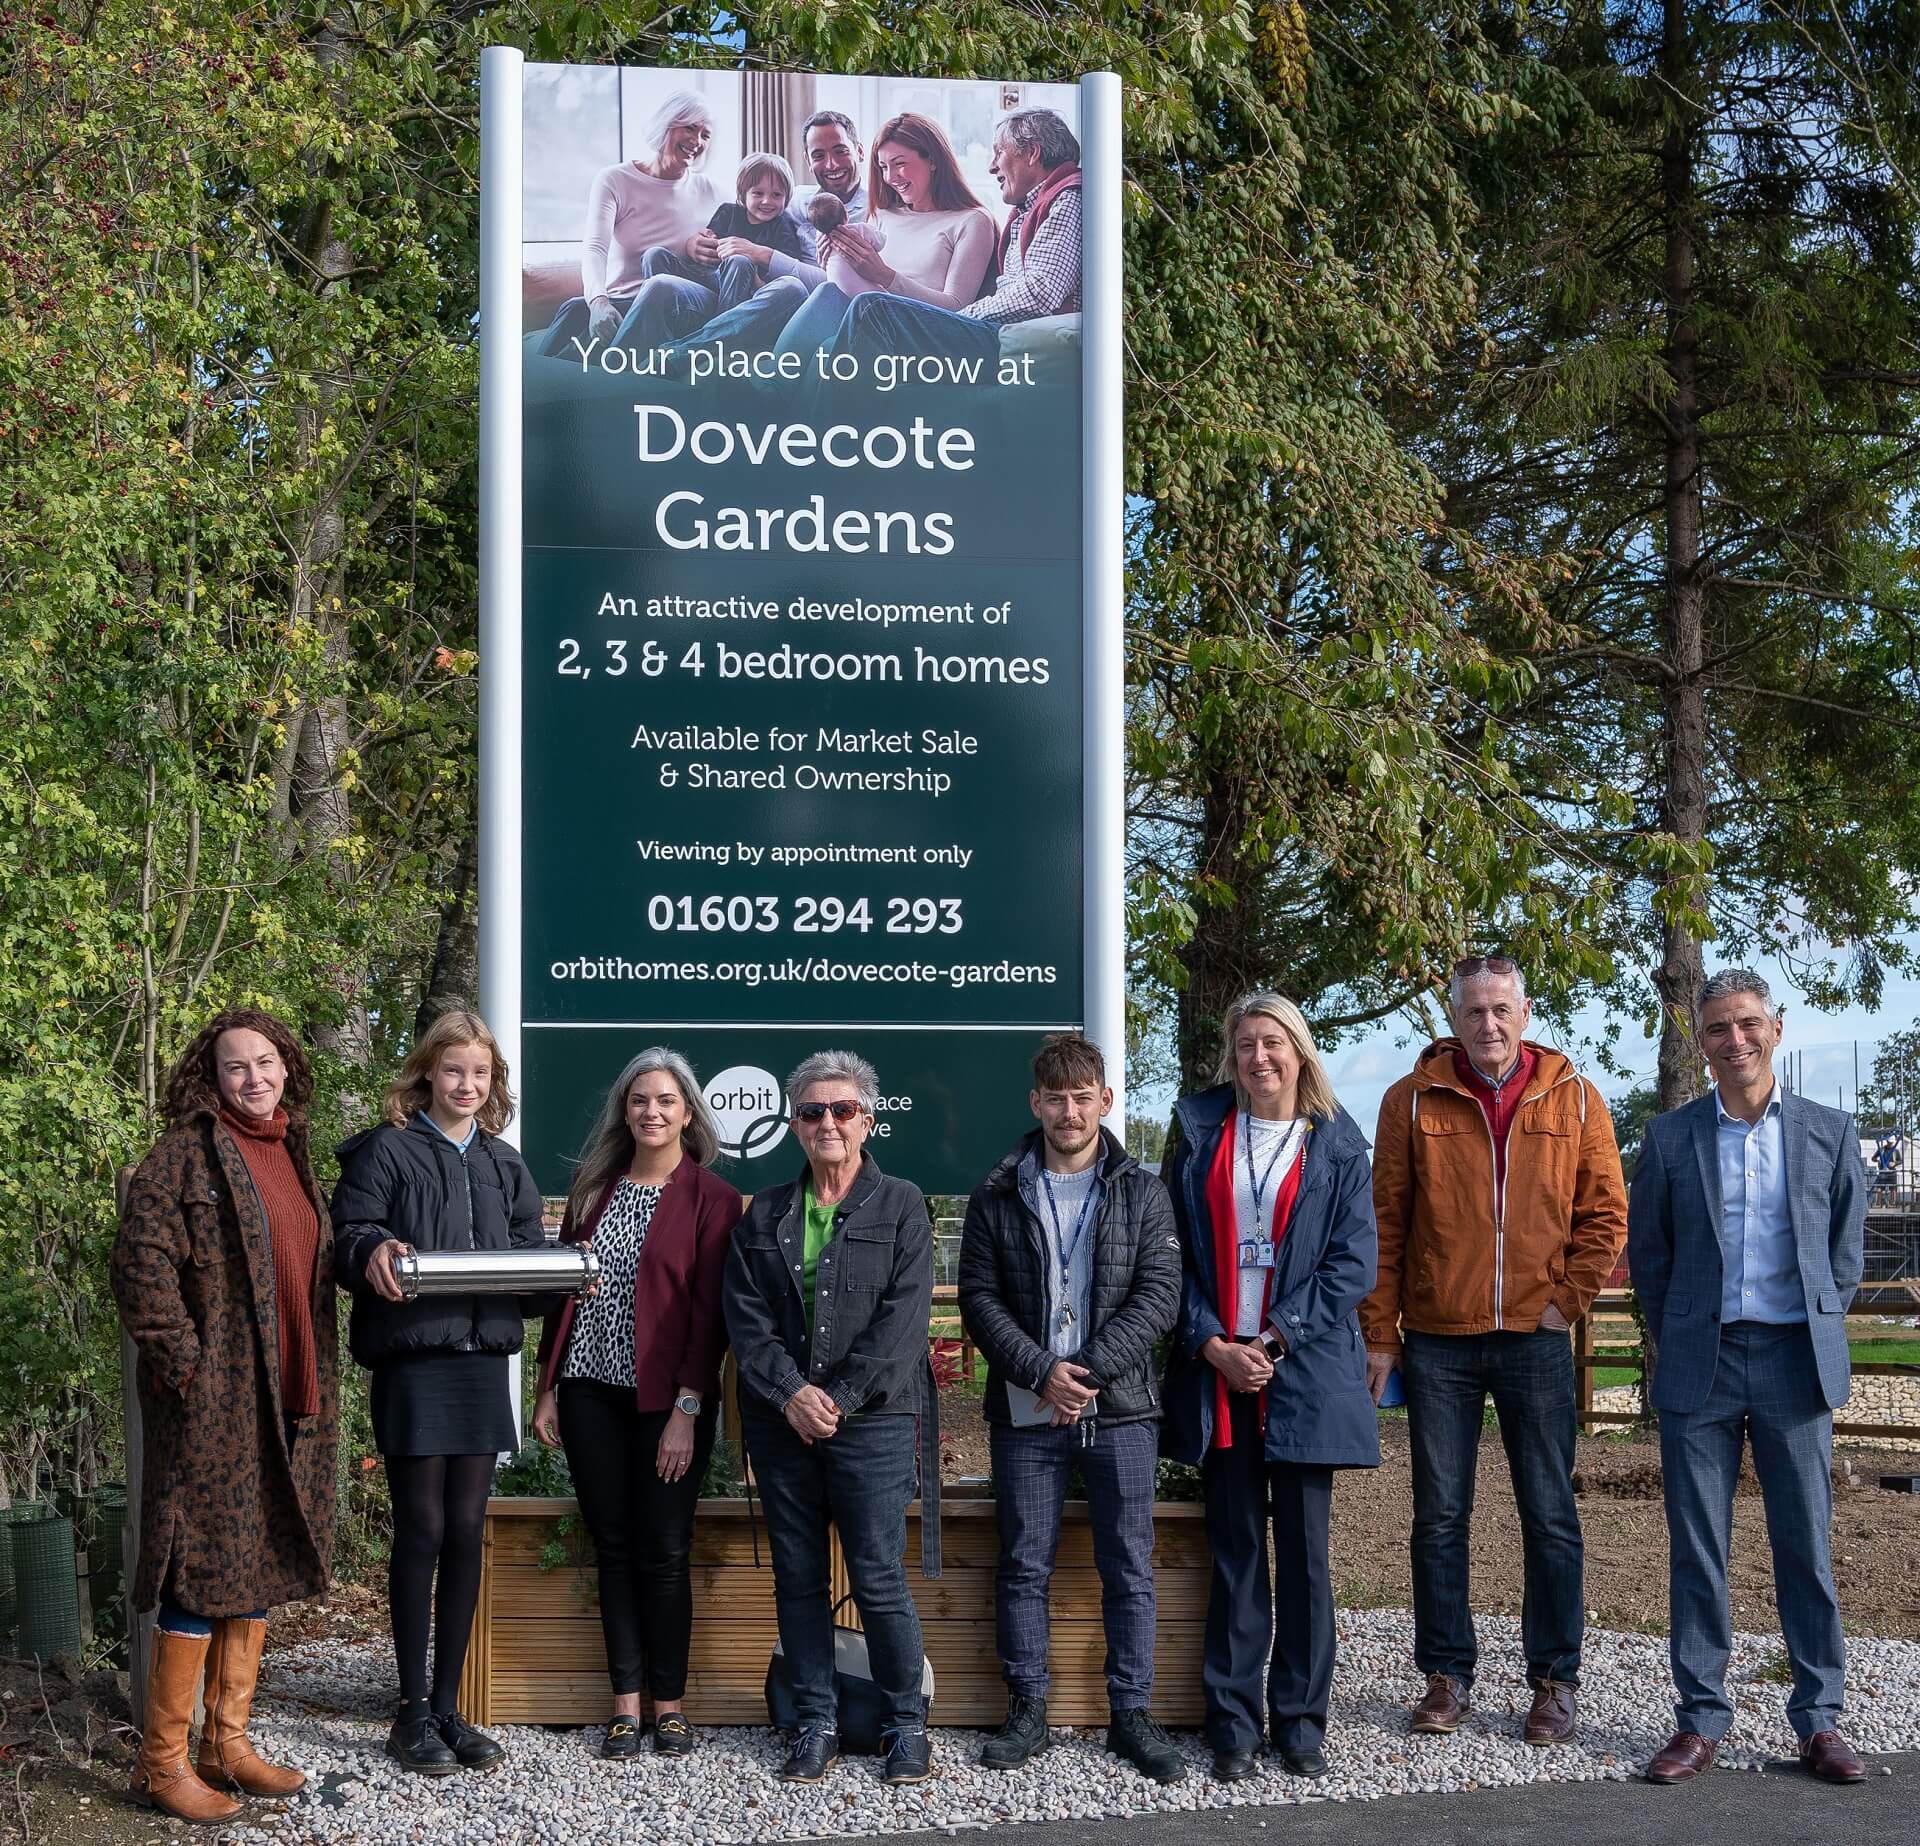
pixel 1313 1096
pixel 412 1089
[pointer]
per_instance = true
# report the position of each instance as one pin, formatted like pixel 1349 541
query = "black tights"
pixel 439 1518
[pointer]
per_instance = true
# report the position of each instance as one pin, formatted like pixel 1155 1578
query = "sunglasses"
pixel 1470 965
pixel 818 1111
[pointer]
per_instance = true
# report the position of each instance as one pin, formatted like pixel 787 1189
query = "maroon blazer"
pixel 679 1335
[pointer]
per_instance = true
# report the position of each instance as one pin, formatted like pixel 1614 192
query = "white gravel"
pixel 325 1707
pixel 1894 1402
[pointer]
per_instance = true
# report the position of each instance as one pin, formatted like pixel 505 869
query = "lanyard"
pixel 1068 1250
pixel 1257 1183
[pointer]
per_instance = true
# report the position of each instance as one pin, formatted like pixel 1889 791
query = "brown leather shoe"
pixel 1439 1713
pixel 162 1776
pixel 1552 1719
pixel 227 1759
pixel 1687 1755
pixel 1829 1756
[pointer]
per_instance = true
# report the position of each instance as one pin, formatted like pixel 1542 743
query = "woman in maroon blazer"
pixel 630 1376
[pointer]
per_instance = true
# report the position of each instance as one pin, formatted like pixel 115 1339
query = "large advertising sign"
pixel 799 648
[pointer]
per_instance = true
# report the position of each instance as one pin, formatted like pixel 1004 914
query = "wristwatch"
pixel 1272 1344
pixel 687 1404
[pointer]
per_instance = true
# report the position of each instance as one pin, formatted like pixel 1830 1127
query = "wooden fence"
pixel 1587 1358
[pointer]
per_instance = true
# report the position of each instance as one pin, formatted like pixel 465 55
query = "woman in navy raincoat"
pixel 1267 1388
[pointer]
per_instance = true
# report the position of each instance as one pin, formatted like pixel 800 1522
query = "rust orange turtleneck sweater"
pixel 293 1228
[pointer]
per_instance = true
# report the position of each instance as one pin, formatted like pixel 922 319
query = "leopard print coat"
pixel 240 1523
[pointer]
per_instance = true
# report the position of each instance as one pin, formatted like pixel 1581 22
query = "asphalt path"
pixel 1725 1807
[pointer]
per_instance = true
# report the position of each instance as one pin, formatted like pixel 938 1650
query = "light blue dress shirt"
pixel 1761 1270
pixel 465 1141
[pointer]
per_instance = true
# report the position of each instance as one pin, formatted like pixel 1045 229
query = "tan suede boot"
pixel 227 1759
pixel 162 1776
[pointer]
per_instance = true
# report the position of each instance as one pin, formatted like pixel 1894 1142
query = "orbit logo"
pixel 749 1111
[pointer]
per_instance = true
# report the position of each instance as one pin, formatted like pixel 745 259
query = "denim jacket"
pixel 872 1297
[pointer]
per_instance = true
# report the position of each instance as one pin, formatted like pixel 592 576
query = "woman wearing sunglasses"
pixel 828 1288
pixel 630 1376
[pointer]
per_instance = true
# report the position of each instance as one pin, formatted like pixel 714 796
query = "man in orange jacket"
pixel 1501 1210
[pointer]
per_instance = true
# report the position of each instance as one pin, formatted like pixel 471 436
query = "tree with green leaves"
pixel 1691 395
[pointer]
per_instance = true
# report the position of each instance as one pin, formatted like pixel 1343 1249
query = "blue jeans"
pixel 753 325
pixel 1530 1377
pixel 1766 1390
pixel 860 1481
pixel 814 328
pixel 729 282
pixel 679 298
pixel 876 322
pixel 1029 1488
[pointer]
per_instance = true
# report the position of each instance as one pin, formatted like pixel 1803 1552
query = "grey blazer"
pixel 1676 1240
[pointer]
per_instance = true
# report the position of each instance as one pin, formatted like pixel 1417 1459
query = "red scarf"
pixel 1064 179
pixel 1222 1215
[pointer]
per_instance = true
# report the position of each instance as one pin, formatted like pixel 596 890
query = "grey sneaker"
pixel 1023 1736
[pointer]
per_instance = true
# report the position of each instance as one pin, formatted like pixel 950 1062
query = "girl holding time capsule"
pixel 434 1175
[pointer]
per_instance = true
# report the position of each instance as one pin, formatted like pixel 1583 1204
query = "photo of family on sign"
pixel 789 213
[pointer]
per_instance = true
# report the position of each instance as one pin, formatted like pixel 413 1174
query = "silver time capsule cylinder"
pixel 559 1269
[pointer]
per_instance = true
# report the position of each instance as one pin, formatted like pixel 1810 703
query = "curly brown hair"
pixel 193 1085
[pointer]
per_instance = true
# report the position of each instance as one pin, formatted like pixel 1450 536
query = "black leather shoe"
pixel 672 1735
pixel 1024 1735
pixel 415 1743
pixel 1307 1762
pixel 472 1749
pixel 1234 1765
pixel 1134 1736
pixel 623 1739
pixel 815 1750
pixel 909 1757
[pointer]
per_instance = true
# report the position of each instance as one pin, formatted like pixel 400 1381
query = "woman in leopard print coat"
pixel 223 1271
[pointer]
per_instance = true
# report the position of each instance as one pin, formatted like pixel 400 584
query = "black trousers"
pixel 1247 1611
pixel 642 1530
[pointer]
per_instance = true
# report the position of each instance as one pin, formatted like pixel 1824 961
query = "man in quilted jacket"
pixel 1069 1276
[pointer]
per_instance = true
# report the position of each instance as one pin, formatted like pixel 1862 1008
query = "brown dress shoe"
pixel 162 1776
pixel 227 1759
pixel 1687 1754
pixel 1829 1756
pixel 1439 1712
pixel 1552 1718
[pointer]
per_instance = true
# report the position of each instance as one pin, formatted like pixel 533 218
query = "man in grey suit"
pixel 1745 1233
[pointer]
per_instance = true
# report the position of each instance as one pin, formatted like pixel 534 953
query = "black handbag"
pixel 863 1709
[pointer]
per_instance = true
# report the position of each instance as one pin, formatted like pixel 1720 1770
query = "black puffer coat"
pixel 413 1184
pixel 1136 1283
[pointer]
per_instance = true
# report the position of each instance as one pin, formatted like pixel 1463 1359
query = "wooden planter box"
pixel 537 1656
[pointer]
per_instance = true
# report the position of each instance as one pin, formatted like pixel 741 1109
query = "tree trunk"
pixel 1215 956
pixel 455 979
pixel 320 806
pixel 1684 793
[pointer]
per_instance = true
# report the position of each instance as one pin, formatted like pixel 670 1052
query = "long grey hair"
pixel 609 1149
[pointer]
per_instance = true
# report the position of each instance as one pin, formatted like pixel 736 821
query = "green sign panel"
pixel 801 748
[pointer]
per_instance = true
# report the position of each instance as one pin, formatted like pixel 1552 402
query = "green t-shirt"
pixel 819 1235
